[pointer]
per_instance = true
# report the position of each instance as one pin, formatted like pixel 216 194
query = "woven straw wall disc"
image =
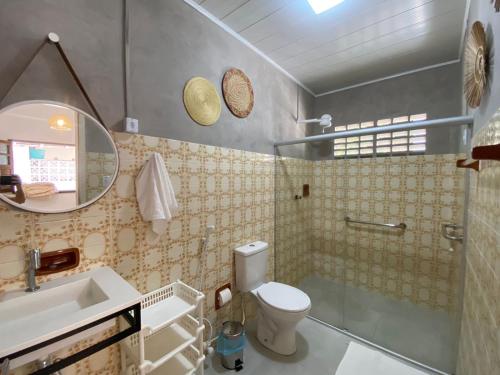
pixel 238 92
pixel 476 65
pixel 202 101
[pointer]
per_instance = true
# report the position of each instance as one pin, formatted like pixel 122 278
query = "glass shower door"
pixel 325 283
pixel 399 289
pixel 306 231
pixel 402 286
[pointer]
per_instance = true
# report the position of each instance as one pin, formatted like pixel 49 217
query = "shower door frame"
pixel 468 121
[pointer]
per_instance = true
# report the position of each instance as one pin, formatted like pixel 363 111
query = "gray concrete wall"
pixel 169 43
pixel 483 11
pixel 95 138
pixel 436 92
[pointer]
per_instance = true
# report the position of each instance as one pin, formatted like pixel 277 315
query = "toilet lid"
pixel 284 297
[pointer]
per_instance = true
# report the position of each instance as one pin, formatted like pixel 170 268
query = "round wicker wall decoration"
pixel 476 65
pixel 202 101
pixel 238 92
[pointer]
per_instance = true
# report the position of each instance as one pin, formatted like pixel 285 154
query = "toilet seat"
pixel 284 297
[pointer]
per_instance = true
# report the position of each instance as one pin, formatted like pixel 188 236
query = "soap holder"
pixel 58 261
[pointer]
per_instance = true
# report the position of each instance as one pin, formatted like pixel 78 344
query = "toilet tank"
pixel 251 265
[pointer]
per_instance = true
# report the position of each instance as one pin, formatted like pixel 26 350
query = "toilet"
pixel 281 306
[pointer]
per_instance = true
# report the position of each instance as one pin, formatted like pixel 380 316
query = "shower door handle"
pixel 450 232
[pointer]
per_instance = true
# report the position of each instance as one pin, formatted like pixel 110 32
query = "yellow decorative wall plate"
pixel 202 101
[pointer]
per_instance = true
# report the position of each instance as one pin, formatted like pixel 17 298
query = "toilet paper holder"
pixel 217 291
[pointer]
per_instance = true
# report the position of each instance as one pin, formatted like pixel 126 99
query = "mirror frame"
pixel 107 134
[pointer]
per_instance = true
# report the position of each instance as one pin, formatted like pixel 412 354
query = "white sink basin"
pixel 47 304
pixel 60 306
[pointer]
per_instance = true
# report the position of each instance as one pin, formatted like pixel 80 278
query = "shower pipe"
pixel 449 121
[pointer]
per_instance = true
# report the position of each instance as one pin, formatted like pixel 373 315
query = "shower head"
pixel 325 121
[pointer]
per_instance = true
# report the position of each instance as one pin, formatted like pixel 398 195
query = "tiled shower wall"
pixel 99 165
pixel 480 336
pixel 415 264
pixel 229 188
pixel 293 220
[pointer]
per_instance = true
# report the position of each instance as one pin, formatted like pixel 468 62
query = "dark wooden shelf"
pixel 491 152
pixel 58 261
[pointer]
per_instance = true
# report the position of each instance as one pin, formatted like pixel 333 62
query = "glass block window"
pixel 60 172
pixel 384 144
pixel 37 162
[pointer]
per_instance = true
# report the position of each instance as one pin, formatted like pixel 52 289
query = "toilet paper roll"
pixel 225 296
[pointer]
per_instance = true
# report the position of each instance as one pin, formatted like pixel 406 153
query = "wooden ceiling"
pixel 354 42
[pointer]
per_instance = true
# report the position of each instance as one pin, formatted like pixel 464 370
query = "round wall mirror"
pixel 53 157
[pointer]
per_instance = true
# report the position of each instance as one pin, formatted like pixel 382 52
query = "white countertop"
pixel 27 319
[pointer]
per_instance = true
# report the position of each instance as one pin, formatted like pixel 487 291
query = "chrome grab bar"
pixel 401 226
pixel 449 231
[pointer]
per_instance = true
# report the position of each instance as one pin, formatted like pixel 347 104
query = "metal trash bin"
pixel 230 345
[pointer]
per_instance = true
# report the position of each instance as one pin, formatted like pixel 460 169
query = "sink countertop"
pixel 93 295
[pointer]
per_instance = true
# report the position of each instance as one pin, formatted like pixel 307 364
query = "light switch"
pixel 131 125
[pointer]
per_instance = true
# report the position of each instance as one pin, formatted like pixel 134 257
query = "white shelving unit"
pixel 171 337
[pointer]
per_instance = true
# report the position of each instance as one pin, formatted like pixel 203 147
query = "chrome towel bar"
pixel 401 226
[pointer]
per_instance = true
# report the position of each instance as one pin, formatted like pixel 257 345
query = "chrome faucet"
pixel 34 263
pixel 45 362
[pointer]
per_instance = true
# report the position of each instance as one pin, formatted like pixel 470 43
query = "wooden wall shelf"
pixel 491 152
pixel 58 261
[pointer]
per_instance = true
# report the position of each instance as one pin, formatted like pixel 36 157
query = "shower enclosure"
pixel 397 286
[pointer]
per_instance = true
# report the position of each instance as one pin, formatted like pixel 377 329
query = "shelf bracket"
pixel 468 163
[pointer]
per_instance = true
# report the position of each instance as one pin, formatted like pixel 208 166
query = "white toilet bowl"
pixel 281 308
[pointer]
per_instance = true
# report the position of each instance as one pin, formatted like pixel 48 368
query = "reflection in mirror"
pixel 53 157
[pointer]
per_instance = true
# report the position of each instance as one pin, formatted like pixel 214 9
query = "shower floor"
pixel 419 333
pixel 320 350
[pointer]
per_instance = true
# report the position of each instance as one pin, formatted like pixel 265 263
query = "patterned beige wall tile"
pixel 293 220
pixel 231 189
pixel 401 265
pixel 480 338
pixel 422 191
pixel 235 191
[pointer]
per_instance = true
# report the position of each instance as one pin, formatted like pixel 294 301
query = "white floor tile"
pixel 319 352
pixel 425 335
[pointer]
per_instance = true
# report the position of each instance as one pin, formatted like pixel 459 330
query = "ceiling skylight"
pixel 320 6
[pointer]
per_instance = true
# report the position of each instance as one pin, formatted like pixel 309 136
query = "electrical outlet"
pixel 131 125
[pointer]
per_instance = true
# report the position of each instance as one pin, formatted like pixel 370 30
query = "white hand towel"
pixel 155 194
